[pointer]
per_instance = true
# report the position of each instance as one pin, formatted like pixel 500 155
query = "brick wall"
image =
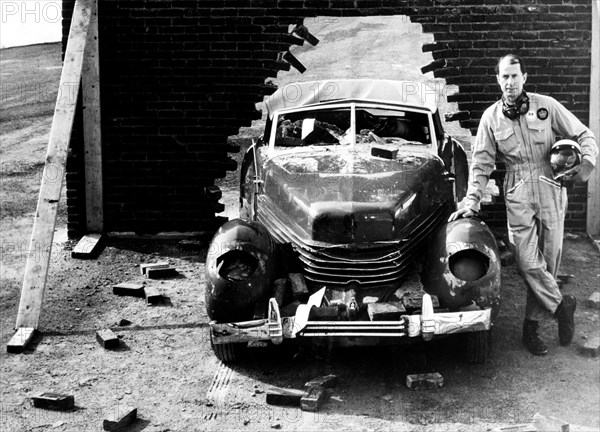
pixel 179 76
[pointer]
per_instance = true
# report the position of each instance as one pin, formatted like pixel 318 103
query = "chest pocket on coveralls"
pixel 537 131
pixel 506 139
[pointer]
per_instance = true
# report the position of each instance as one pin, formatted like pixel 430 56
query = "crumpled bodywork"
pixel 240 266
pixel 354 195
pixel 463 266
pixel 346 196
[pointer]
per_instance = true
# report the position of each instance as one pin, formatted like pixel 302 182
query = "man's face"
pixel 511 80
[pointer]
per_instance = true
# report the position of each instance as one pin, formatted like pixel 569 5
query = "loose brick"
pixel 383 151
pixel 153 295
pixel 299 287
pixel 325 381
pixel 279 289
pixel 158 265
pixel 20 340
pixel 118 420
pixel 88 246
pixel 524 427
pixel 591 347
pixel 593 301
pixel 284 396
pixel 385 311
pixel 157 273
pixel 54 401
pixel 425 381
pixel 312 399
pixel 107 338
pixel 129 289
pixel 330 313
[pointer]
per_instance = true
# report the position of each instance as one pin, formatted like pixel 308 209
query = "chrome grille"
pixel 378 264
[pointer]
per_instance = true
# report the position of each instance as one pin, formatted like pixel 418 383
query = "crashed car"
pixel 343 230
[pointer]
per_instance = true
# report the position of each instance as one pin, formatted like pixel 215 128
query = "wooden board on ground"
pixel 20 339
pixel 36 268
pixel 88 246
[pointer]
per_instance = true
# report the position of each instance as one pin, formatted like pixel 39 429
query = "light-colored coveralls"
pixel 535 203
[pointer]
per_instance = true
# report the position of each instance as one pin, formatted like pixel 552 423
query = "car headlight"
pixel 237 265
pixel 469 264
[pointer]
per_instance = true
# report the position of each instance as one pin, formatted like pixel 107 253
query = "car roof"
pixel 301 94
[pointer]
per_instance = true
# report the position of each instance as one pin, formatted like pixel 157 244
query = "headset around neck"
pixel 520 107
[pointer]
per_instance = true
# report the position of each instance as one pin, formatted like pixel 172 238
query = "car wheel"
pixel 230 352
pixel 478 346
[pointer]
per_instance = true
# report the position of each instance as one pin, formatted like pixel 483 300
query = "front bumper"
pixel 427 324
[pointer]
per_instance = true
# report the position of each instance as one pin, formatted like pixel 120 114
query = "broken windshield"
pixel 332 126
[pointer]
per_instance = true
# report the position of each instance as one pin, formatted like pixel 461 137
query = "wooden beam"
pixel 36 268
pixel 593 201
pixel 94 207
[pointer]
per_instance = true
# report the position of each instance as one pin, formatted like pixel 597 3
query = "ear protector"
pixel 520 107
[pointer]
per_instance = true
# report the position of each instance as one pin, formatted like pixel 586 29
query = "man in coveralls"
pixel 520 130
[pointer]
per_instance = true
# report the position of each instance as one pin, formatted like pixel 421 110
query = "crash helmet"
pixel 564 155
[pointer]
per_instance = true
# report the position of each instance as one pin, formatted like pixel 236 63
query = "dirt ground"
pixel 165 367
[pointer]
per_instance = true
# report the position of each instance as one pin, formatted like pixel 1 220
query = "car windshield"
pixel 332 126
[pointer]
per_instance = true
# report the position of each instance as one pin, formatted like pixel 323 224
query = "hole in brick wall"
pixel 377 47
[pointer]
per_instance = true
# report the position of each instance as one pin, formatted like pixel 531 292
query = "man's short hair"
pixel 512 59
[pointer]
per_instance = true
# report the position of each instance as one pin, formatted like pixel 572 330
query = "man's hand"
pixel 462 212
pixel 584 172
pixel 578 174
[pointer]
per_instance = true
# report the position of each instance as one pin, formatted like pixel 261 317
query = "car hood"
pixel 342 195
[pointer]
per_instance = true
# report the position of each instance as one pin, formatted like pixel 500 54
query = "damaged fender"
pixel 240 266
pixel 464 266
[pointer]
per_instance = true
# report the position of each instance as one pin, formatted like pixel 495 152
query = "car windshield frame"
pixel 353 105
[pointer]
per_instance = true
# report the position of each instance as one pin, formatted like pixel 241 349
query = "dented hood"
pixel 339 194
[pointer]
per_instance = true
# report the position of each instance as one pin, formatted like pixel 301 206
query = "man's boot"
pixel 565 314
pixel 531 339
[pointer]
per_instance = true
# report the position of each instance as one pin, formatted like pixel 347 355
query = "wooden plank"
pixel 94 207
pixel 87 247
pixel 20 339
pixel 593 201
pixel 36 268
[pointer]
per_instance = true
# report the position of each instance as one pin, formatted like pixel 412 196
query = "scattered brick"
pixel 425 381
pixel 329 313
pixel 312 399
pixel 54 401
pixel 279 288
pixel 593 301
pixel 524 427
pixel 157 273
pixel 325 381
pixel 158 265
pixel 20 339
pixel 383 151
pixel 591 347
pixel 299 287
pixel 416 301
pixel 129 289
pixel 107 338
pixel 153 295
pixel 385 311
pixel 284 396
pixel 118 420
